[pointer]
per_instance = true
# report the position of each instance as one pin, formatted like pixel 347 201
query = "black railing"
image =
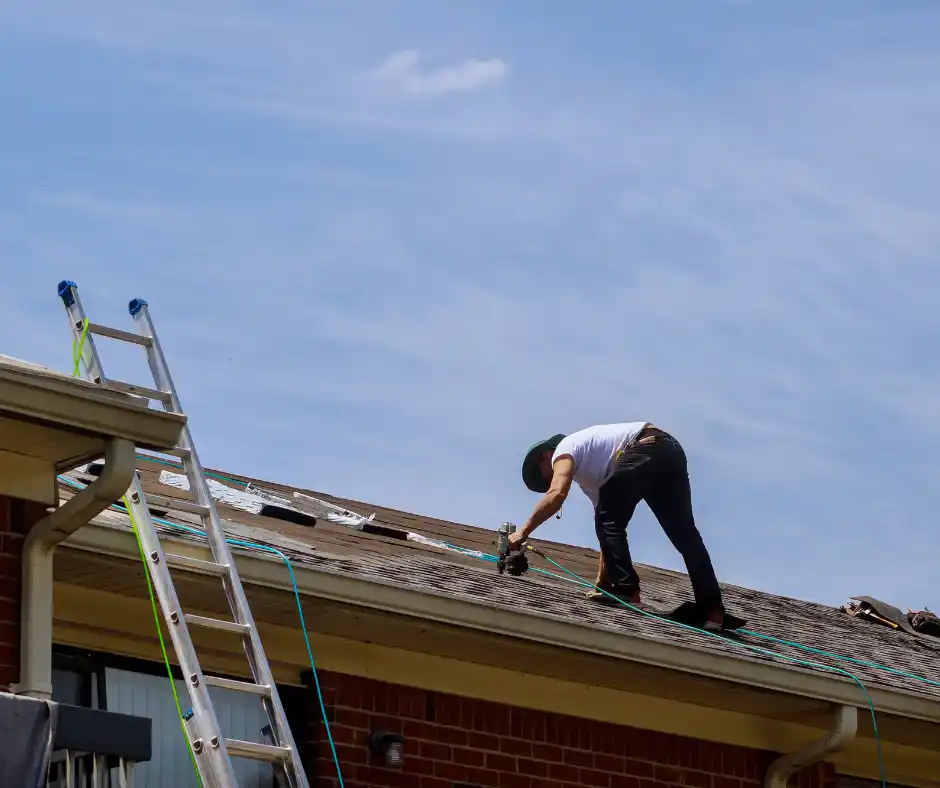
pixel 97 749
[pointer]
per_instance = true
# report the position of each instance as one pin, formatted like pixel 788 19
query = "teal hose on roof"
pixel 571 576
pixel 294 587
pixel 582 581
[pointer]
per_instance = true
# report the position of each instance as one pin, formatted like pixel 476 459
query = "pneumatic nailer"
pixel 514 561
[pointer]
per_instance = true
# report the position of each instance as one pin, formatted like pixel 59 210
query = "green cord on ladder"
pixel 156 621
pixel 78 349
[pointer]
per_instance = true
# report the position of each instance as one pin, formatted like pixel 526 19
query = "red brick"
pixel 435 782
pixel 451 739
pixel 547 752
pixel 10 588
pixel 532 767
pixel 501 763
pixel 420 730
pixel 594 777
pixel 349 753
pixel 483 741
pixel 354 718
pixel 10 565
pixel 9 631
pixel 447 710
pixel 9 614
pixel 578 758
pixel 484 777
pixel 514 746
pixel 11 544
pixel 451 771
pixel 9 654
pixel 453 736
pixel 388 778
pixel 624 781
pixel 436 752
pixel 609 763
pixel 670 775
pixel 469 757
pixel 638 768
pixel 511 780
pixel 561 771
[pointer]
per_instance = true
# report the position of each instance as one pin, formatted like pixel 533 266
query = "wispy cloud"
pixel 402 71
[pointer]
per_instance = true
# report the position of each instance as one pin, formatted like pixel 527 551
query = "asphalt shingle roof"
pixel 417 566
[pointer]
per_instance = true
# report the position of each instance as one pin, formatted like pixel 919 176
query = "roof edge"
pixel 79 406
pixel 267 571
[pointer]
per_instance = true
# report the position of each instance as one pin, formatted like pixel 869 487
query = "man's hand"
pixel 516 540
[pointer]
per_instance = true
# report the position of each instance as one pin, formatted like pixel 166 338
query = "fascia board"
pixel 269 572
pixel 80 406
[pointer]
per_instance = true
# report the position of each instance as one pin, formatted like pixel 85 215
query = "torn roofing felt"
pixel 445 558
pixel 917 623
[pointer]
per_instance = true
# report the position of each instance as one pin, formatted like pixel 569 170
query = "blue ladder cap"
pixel 136 305
pixel 65 291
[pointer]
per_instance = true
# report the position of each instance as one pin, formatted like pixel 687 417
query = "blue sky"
pixel 388 246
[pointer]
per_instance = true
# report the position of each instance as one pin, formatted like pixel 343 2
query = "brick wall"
pixel 16 517
pixel 451 742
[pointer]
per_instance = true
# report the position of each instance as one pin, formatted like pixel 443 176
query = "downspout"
pixel 846 725
pixel 38 555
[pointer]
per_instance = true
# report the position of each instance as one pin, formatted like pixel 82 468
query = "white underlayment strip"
pixel 253 501
pixel 222 493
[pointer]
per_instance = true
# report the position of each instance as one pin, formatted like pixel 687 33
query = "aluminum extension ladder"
pixel 212 751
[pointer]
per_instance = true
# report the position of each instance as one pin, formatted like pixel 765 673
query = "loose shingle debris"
pixel 867 608
pixel 925 621
pixel 251 500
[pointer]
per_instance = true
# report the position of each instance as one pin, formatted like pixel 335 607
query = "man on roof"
pixel 617 466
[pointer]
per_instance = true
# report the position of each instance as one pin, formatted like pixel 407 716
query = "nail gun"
pixel 513 561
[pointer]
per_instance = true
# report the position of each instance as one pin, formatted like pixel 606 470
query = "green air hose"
pixel 754 649
pixel 156 621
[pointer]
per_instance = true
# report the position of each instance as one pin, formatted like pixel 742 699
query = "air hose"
pixel 754 649
pixel 236 543
pixel 570 576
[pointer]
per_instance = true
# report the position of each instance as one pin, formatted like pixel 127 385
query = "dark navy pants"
pixel 655 471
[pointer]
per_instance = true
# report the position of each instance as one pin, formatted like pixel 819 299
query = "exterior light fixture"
pixel 389 748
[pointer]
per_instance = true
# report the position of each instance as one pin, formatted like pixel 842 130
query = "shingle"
pixel 338 549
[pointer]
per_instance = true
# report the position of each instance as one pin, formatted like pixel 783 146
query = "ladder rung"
pixel 177 503
pixel 196 565
pixel 258 752
pixel 218 623
pixel 140 391
pixel 239 686
pixel 177 451
pixel 116 333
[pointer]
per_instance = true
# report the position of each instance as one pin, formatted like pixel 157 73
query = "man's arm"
pixel 562 476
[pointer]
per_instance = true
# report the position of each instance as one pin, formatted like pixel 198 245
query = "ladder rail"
pixel 213 762
pixel 198 484
pixel 213 752
pixel 68 292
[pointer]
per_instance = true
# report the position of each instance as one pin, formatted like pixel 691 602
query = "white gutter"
pixel 38 555
pixel 846 725
pixel 112 539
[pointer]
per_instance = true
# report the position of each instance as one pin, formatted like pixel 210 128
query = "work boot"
pixel 715 621
pixel 612 597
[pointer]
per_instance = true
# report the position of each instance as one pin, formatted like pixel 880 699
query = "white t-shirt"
pixel 593 451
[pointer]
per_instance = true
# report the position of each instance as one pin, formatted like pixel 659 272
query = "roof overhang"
pixel 50 422
pixel 530 625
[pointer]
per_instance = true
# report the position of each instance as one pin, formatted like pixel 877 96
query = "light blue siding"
pixel 241 717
